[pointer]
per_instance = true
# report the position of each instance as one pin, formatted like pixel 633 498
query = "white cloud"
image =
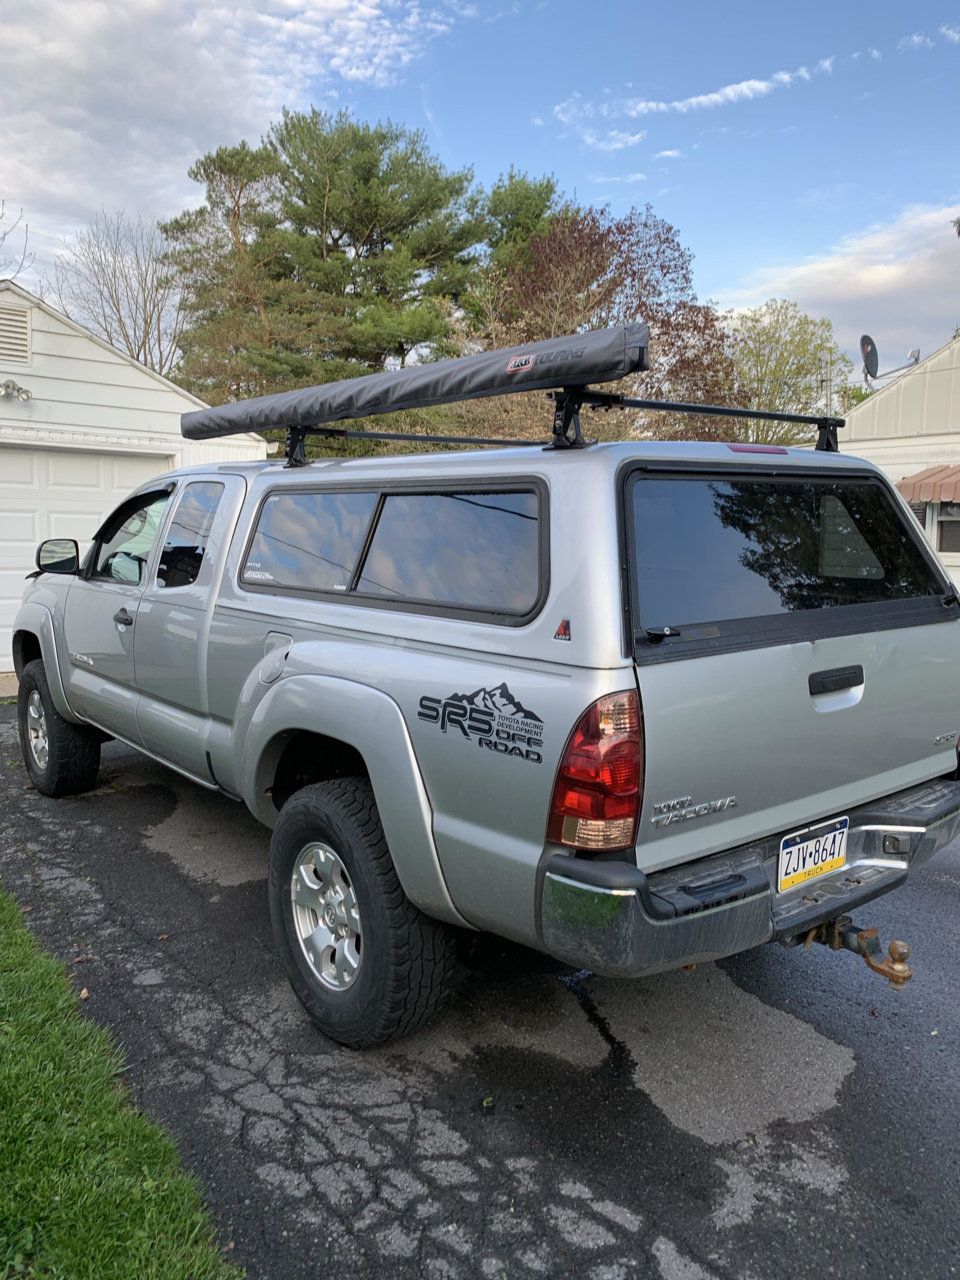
pixel 916 41
pixel 110 103
pixel 627 177
pixel 669 155
pixel 899 282
pixel 575 113
pixel 613 140
pixel 579 114
pixel 741 91
pixel 951 33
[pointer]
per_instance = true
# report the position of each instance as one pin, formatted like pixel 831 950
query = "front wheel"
pixel 366 964
pixel 62 759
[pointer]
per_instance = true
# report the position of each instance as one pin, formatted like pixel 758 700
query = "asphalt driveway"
pixel 780 1113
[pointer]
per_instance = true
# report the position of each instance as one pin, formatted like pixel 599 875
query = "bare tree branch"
pixel 10 267
pixel 115 278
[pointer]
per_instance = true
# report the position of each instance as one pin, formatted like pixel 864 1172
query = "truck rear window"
pixel 710 551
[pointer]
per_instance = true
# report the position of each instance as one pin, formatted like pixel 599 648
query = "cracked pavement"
pixel 778 1112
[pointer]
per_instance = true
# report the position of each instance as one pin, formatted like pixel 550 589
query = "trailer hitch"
pixel 842 934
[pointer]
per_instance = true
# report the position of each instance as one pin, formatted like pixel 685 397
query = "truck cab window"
pixel 127 540
pixel 186 541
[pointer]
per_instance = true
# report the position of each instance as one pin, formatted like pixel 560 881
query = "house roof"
pixel 15 291
pixel 935 484
pixel 928 392
pixel 9 289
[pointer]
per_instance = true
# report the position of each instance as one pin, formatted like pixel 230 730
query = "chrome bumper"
pixel 613 919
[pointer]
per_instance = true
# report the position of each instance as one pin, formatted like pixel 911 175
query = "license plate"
pixel 804 855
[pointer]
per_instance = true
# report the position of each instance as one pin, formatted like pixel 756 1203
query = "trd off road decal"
pixel 493 718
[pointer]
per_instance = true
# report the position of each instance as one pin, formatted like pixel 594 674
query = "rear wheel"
pixel 366 964
pixel 62 759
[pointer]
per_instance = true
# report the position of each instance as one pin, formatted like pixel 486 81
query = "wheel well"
pixel 26 647
pixel 313 757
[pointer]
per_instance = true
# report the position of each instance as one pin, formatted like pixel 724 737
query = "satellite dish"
pixel 871 361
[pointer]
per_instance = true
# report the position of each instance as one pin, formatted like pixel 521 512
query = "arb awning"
pixel 936 484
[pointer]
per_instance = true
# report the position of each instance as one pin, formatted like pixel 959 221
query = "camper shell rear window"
pixel 732 560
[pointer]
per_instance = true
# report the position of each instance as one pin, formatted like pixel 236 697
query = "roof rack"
pixel 561 366
pixel 826 426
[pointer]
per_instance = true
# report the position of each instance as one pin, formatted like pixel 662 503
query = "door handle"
pixel 123 618
pixel 835 680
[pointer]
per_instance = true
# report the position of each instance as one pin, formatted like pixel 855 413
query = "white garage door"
pixel 54 493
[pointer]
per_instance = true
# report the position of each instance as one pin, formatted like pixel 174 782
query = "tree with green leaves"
pixel 779 353
pixel 519 210
pixel 374 224
pixel 250 328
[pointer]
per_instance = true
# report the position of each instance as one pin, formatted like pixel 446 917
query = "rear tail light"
pixel 599 785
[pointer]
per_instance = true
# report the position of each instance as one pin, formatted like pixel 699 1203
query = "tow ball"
pixel 843 935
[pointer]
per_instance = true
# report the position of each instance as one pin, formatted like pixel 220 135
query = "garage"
pixel 56 493
pixel 81 425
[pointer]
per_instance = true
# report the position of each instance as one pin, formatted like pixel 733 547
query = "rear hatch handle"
pixel 835 680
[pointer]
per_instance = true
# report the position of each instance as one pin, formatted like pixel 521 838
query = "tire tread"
pixel 419 953
pixel 73 759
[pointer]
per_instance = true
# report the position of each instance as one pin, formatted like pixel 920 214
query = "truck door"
pixel 100 615
pixel 172 640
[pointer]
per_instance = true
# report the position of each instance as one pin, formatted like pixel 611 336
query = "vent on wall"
pixel 14 335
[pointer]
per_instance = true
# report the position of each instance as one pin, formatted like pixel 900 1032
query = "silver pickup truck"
pixel 636 705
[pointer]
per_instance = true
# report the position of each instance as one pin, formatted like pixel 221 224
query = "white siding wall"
pixel 87 396
pixel 915 422
pixel 912 425
pixel 96 426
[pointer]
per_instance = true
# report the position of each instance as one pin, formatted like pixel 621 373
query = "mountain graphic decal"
pixel 500 700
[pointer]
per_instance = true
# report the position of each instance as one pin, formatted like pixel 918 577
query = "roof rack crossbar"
pixel 296 436
pixel 826 426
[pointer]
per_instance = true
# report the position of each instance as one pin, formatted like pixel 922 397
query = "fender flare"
pixel 372 723
pixel 36 619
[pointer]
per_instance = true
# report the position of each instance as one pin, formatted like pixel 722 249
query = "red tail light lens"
pixel 596 797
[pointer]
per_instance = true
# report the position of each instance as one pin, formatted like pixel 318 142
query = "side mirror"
pixel 58 555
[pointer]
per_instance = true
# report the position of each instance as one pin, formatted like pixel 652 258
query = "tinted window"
pixel 186 539
pixel 310 541
pixel 948 527
pixel 475 550
pixel 127 540
pixel 712 550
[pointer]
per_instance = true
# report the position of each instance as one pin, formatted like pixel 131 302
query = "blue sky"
pixel 807 152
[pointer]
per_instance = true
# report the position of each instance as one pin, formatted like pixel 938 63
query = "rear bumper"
pixel 612 918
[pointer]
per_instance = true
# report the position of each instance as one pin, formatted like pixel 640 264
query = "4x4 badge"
pixel 493 718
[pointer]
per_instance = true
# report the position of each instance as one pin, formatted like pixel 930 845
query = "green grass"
pixel 88 1187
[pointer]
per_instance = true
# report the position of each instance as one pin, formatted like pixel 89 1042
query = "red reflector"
pixel 596 796
pixel 756 448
